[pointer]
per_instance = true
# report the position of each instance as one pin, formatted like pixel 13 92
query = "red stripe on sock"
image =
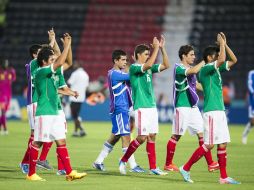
pixel 62 152
pixel 131 149
pixel 199 152
pixel 222 160
pixel 170 151
pixel 151 153
pixel 33 159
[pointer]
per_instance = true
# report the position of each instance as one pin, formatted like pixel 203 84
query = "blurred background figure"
pixel 78 81
pixel 250 124
pixel 7 76
pixel 228 91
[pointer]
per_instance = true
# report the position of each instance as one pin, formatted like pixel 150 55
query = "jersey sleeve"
pixel 136 69
pixel 251 81
pixel 43 73
pixel 224 67
pixel 208 68
pixel 181 71
pixel 120 76
pixel 156 68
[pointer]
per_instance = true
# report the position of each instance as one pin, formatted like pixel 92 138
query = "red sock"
pixel 45 150
pixel 222 159
pixel 151 153
pixel 33 159
pixel 62 152
pixel 199 152
pixel 59 163
pixel 27 154
pixel 170 151
pixel 131 149
pixel 208 155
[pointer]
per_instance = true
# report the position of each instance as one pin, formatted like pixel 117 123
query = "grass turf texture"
pixel 83 152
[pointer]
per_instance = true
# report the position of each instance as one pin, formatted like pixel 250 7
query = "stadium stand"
pixel 112 24
pixel 28 21
pixel 235 19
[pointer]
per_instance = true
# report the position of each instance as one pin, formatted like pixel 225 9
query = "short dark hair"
pixel 140 49
pixel 184 50
pixel 210 50
pixel 44 55
pixel 117 54
pixel 33 49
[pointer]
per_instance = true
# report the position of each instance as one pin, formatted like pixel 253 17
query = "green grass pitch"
pixel 83 151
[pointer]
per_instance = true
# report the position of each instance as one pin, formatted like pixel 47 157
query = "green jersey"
pixel 33 68
pixel 60 82
pixel 142 86
pixel 210 78
pixel 181 86
pixel 46 87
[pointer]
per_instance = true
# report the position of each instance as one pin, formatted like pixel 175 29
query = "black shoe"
pixel 43 164
pixel 82 133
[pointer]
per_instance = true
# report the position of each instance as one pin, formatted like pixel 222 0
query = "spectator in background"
pixel 78 81
pixel 7 76
pixel 250 124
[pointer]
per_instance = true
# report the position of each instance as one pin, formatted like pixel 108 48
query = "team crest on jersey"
pixel 149 71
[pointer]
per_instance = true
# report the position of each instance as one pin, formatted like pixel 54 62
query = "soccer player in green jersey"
pixel 32 99
pixel 146 115
pixel 48 123
pixel 186 111
pixel 215 120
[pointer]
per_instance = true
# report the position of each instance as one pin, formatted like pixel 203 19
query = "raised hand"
pixel 223 37
pixel 162 41
pixel 66 40
pixel 51 34
pixel 220 39
pixel 155 43
pixel 52 37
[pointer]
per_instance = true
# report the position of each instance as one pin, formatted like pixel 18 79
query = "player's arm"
pixel 152 59
pixel 199 86
pixel 251 82
pixel 222 53
pixel 165 60
pixel 68 92
pixel 232 58
pixel 120 76
pixel 195 69
pixel 61 59
pixel 68 62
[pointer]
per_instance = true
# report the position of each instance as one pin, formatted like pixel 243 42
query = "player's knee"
pixel 176 137
pixel 209 146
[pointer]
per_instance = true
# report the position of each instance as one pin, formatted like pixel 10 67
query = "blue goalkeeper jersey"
pixel 120 92
pixel 251 88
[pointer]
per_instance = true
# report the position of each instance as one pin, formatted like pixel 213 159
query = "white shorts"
pixel 216 128
pixel 49 128
pixel 146 121
pixel 31 109
pixel 187 118
pixel 63 119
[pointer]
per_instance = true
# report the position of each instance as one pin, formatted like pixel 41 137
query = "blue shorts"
pixel 121 123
